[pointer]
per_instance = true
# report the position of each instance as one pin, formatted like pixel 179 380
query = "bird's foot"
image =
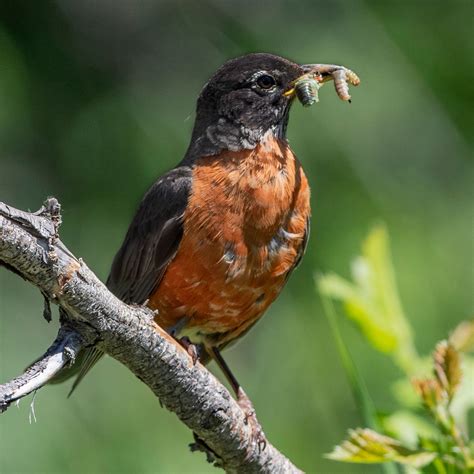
pixel 258 436
pixel 191 349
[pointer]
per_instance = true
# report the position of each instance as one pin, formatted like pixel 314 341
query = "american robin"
pixel 215 239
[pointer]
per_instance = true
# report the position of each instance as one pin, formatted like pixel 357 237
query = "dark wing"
pixel 152 239
pixel 151 243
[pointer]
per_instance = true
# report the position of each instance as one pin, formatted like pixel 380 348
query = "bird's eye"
pixel 266 81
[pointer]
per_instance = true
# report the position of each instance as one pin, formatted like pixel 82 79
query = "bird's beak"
pixel 317 74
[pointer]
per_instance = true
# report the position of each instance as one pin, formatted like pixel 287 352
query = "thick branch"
pixel 29 246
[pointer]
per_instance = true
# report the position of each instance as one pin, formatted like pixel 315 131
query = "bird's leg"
pixel 192 349
pixel 242 399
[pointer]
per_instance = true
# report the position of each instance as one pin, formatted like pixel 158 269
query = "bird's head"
pixel 244 100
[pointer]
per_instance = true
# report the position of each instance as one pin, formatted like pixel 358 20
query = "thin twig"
pixel 62 352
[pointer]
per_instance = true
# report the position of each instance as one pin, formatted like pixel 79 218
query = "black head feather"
pixel 242 102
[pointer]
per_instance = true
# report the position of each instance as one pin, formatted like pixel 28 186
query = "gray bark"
pixel 29 246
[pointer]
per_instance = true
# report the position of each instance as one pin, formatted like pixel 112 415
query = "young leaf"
pixel 462 338
pixel 408 427
pixel 367 446
pixel 430 392
pixel 358 309
pixel 447 367
pixel 372 300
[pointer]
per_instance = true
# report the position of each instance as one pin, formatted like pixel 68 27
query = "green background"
pixel 97 100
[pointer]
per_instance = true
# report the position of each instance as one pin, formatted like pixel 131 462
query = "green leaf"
pixel 372 300
pixel 356 307
pixel 408 427
pixel 368 446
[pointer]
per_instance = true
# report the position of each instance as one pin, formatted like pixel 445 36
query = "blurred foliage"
pixel 367 446
pixel 372 300
pixel 444 449
pixel 97 99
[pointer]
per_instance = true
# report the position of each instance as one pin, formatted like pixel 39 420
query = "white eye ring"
pixel 264 80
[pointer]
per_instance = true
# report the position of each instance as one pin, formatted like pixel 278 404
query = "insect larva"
pixel 352 77
pixel 341 78
pixel 340 84
pixel 306 90
pixel 307 86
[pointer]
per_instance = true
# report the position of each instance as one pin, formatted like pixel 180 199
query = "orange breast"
pixel 244 229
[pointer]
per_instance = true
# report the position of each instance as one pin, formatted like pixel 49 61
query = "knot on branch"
pixel 51 209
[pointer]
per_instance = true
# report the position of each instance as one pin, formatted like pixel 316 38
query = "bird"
pixel 215 239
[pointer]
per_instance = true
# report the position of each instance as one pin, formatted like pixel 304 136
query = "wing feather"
pixel 150 244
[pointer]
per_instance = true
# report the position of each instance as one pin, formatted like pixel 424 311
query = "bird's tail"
pixel 91 356
pixel 85 360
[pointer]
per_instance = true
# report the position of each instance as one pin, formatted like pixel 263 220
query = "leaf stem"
pixel 357 383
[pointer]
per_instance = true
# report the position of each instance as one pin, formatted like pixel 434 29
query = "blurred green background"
pixel 97 100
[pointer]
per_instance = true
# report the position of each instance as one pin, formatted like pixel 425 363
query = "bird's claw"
pixel 258 436
pixel 191 348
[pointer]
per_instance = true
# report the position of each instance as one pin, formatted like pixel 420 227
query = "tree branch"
pixel 62 352
pixel 91 315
